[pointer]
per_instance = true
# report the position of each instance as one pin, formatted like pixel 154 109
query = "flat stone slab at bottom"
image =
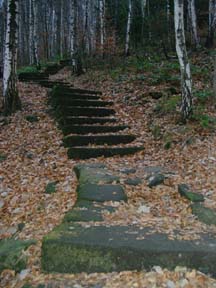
pixel 76 249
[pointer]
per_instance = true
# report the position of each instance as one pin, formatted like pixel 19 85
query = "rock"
pixel 184 190
pixel 153 170
pixel 11 254
pixel 4 194
pixel 94 174
pixel 156 95
pixel 24 273
pixel 51 187
pixel 204 214
pixel 3 157
pixel 101 193
pixel 133 181
pixel 155 180
pixel 1 204
pixel 128 171
pixel 170 284
pixel 32 118
pixel 12 230
pixel 143 209
pixel 21 226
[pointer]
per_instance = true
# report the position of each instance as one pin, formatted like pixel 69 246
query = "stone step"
pixel 87 152
pixel 85 120
pixel 34 76
pixel 72 141
pixel 51 84
pixel 79 129
pixel 72 248
pixel 80 91
pixel 83 103
pixel 66 96
pixel 86 111
pixel 84 91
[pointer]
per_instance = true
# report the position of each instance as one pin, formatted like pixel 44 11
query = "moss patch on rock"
pixel 204 214
pixel 11 254
pixel 185 191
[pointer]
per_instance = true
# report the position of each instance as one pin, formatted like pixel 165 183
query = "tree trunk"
pixel 11 101
pixel 186 81
pixel 193 21
pixel 62 36
pixel 102 26
pixel 129 20
pixel 212 23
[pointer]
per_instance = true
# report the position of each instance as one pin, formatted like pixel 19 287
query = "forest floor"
pixel 31 156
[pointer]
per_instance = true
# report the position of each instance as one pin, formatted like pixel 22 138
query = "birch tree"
pixel 193 21
pixel 75 58
pixel 102 25
pixel 212 23
pixel 128 30
pixel 11 101
pixel 186 81
pixel 33 33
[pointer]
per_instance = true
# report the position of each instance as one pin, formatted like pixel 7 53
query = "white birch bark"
pixel 212 23
pixel 73 34
pixel 193 21
pixel 11 99
pixel 31 29
pixel 186 81
pixel 62 35
pixel 102 25
pixel 128 30
pixel 35 32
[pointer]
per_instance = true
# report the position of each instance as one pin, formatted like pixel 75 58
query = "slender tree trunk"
pixel 102 25
pixel 129 20
pixel 31 29
pixel 193 21
pixel 35 33
pixel 62 36
pixel 186 81
pixel 212 23
pixel 11 99
pixel 143 10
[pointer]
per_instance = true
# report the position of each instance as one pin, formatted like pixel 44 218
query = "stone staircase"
pixel 84 243
pixel 86 120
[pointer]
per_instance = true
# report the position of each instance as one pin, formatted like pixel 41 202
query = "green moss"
pixel 186 192
pixel 32 118
pixel 3 157
pixel 11 254
pixel 51 187
pixel 74 258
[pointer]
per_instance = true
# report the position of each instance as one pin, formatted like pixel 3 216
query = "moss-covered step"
pixel 31 76
pixel 72 141
pixel 11 254
pixel 74 249
pixel 101 193
pixel 85 91
pixel 204 214
pixel 60 92
pixel 85 120
pixel 94 173
pixel 89 212
pixel 79 91
pixel 52 69
pixel 51 84
pixel 83 103
pixel 87 153
pixel 85 111
pixel 85 129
